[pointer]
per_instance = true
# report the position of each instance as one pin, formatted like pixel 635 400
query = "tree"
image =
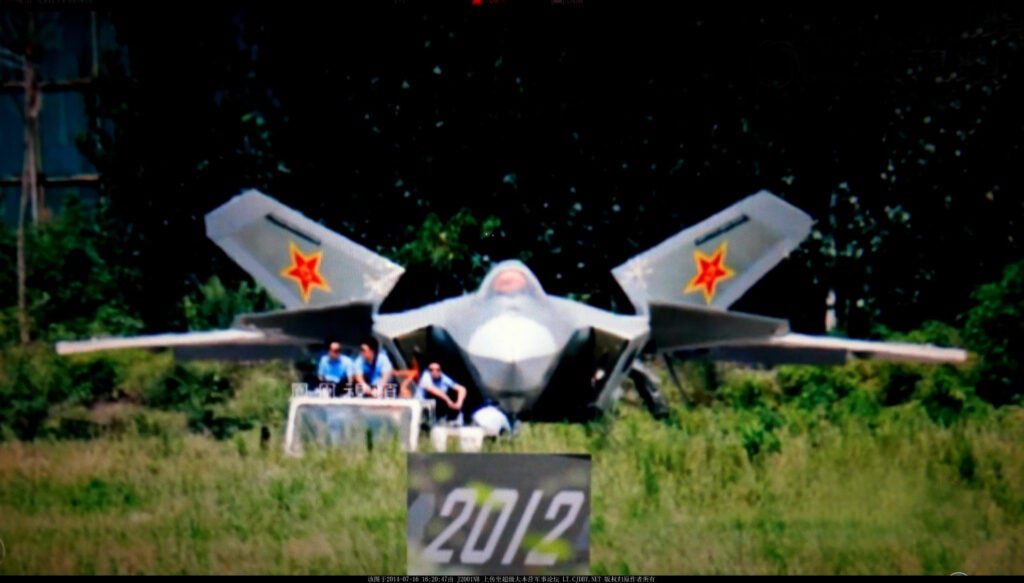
pixel 30 168
pixel 994 329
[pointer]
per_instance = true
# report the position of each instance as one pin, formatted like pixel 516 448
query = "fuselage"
pixel 510 336
pixel 511 342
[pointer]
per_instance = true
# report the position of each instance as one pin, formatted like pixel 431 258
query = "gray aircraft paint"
pixel 512 341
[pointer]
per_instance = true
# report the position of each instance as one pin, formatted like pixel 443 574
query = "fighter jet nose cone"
pixel 511 338
pixel 513 356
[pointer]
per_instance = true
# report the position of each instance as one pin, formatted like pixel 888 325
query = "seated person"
pixel 372 368
pixel 408 377
pixel 439 386
pixel 334 367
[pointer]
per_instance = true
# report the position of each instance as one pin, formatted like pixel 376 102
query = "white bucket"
pixel 471 438
pixel 439 438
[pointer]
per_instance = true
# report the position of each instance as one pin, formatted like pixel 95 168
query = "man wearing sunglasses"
pixel 439 386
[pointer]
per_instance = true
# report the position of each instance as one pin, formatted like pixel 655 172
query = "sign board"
pixel 523 514
pixel 340 421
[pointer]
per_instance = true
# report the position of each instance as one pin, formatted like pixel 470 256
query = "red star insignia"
pixel 305 271
pixel 710 271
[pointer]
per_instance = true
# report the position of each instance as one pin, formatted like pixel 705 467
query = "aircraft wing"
pixel 804 349
pixel 347 323
pixel 406 333
pixel 400 324
pixel 215 344
pixel 714 262
pixel 280 334
pixel 299 261
pixel 623 327
pixel 726 335
pixel 678 326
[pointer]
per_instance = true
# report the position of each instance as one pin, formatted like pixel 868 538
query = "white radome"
pixel 512 338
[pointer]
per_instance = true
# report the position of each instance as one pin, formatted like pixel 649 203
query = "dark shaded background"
pixel 591 132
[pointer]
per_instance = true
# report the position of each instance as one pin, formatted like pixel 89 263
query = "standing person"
pixel 372 368
pixel 334 367
pixel 439 386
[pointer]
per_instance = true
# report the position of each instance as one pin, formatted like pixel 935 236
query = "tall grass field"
pixel 698 493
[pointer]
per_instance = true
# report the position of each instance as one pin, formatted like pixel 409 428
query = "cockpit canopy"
pixel 509 279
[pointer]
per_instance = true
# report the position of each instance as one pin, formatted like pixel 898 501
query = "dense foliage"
pixel 995 329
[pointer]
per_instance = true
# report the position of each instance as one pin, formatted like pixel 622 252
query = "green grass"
pixel 899 495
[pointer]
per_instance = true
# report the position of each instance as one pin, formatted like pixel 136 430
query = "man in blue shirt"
pixel 439 386
pixel 334 366
pixel 372 368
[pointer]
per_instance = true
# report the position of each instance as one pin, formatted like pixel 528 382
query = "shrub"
pixel 81 279
pixel 69 422
pixel 748 389
pixel 31 378
pixel 943 398
pixel 994 329
pixel 149 422
pixel 757 430
pixel 860 404
pixel 897 382
pixel 92 378
pixel 223 398
pixel 83 396
pixel 816 387
pixel 116 375
pixel 261 393
pixel 931 332
pixel 197 390
pixel 214 306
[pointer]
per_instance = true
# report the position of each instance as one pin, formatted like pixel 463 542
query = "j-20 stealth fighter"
pixel 537 355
